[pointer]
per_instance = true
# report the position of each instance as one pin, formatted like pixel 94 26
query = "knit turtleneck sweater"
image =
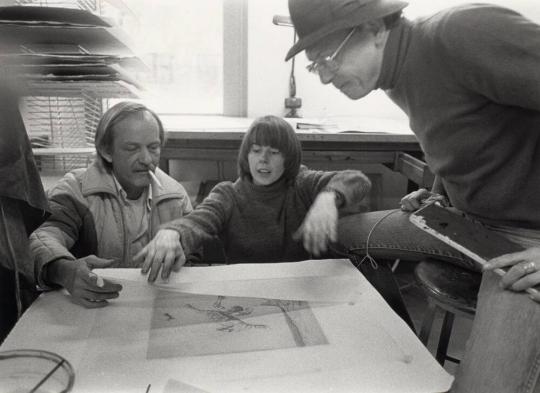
pixel 257 223
pixel 469 80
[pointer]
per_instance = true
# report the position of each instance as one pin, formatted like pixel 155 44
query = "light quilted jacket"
pixel 87 218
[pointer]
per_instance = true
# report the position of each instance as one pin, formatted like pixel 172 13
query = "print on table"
pixel 193 325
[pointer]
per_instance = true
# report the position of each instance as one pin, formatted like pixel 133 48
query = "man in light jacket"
pixel 104 215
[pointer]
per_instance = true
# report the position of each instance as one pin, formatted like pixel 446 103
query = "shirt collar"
pixel 122 193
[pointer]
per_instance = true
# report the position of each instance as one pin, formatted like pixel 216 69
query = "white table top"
pixel 221 329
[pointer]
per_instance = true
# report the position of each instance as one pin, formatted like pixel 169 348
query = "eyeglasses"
pixel 329 63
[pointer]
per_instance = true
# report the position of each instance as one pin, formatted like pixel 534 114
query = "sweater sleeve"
pixel 352 184
pixel 495 52
pixel 207 220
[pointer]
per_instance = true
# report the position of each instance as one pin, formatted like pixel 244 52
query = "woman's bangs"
pixel 266 135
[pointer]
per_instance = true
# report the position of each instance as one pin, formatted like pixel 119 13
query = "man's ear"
pixel 106 155
pixel 378 29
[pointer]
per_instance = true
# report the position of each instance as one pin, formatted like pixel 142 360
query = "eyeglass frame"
pixel 329 62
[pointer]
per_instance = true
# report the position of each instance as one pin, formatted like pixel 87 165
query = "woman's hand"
pixel 163 252
pixel 320 225
pixel 524 270
pixel 415 199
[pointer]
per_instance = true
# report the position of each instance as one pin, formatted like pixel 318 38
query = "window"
pixel 183 44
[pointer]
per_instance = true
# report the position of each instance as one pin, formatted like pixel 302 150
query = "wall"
pixel 268 76
pixel 268 73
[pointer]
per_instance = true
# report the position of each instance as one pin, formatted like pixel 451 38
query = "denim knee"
pixel 391 236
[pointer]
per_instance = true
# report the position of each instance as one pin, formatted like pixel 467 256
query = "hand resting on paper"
pixel 164 252
pixel 76 276
pixel 413 201
pixel 523 272
pixel 320 225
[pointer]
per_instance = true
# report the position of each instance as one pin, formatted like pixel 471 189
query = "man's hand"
pixel 320 225
pixel 416 199
pixel 523 273
pixel 163 252
pixel 85 287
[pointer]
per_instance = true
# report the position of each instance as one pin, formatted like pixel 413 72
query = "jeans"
pixel 503 352
pixel 392 236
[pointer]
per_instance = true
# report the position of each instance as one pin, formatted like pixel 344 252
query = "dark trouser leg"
pixel 383 280
pixel 8 299
pixel 14 255
pixel 8 305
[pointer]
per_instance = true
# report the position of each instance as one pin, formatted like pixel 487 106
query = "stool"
pixel 449 288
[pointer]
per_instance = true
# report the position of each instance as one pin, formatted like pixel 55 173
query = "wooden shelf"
pixel 63 151
pixel 102 89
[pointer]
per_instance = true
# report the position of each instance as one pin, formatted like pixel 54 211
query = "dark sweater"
pixel 469 80
pixel 257 223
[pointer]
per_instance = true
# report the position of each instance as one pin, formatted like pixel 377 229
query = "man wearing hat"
pixel 469 80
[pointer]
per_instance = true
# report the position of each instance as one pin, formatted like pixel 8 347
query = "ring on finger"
pixel 529 267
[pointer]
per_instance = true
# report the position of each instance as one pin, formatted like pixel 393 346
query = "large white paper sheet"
pixel 318 280
pixel 221 343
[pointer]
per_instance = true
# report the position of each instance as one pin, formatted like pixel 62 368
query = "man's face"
pixel 358 63
pixel 135 150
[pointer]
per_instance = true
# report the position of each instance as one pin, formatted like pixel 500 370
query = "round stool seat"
pixel 450 288
pixel 449 284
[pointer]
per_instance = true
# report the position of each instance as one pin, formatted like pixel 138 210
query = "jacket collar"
pixel 98 179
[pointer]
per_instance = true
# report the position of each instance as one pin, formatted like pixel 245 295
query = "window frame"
pixel 235 57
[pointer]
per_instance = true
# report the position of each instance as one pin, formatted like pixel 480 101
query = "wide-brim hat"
pixel 315 19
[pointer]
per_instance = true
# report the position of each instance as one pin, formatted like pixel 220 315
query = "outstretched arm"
pixel 168 249
pixel 164 252
pixel 54 239
pixel 342 194
pixel 85 287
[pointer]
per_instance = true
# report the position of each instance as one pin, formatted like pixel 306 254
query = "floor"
pixel 417 303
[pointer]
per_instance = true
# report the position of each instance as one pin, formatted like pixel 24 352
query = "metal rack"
pixel 64 124
pixel 61 114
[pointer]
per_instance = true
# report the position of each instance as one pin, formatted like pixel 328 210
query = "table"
pixel 311 326
pixel 366 141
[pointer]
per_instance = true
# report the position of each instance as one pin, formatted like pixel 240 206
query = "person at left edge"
pixel 104 215
pixel 23 207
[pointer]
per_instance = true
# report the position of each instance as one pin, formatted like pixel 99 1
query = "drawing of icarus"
pixel 193 325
